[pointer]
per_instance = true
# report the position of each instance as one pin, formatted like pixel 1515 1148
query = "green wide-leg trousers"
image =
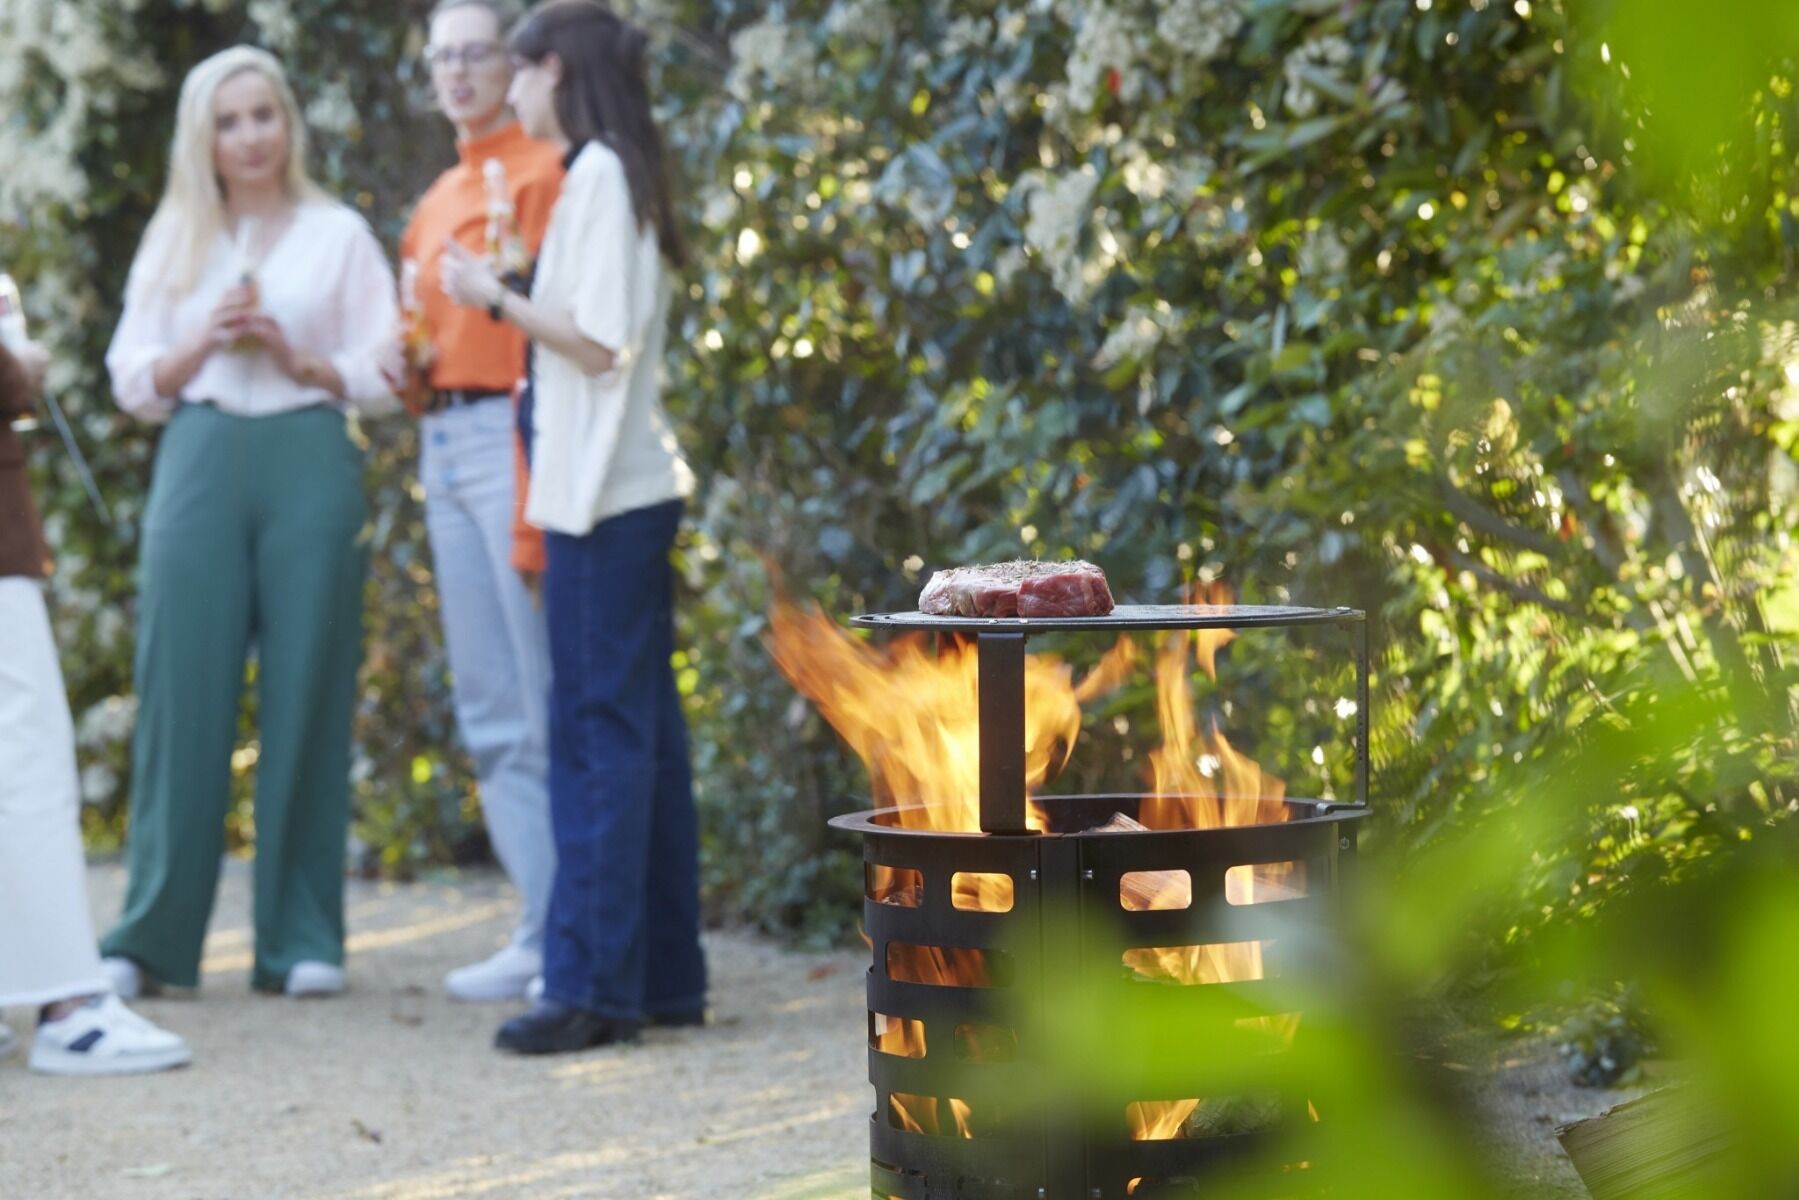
pixel 250 538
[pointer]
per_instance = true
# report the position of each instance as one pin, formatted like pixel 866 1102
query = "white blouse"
pixel 324 281
pixel 601 444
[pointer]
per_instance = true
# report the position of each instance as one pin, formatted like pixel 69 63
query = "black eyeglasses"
pixel 472 55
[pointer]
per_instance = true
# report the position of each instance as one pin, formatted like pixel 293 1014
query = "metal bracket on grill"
pixel 1001 679
pixel 1361 711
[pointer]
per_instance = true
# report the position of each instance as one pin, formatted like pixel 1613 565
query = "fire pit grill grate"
pixel 1123 619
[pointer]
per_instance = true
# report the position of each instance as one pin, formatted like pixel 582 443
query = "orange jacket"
pixel 474 351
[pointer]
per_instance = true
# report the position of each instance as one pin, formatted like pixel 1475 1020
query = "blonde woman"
pixel 258 311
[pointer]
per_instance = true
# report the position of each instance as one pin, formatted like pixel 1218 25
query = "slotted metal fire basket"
pixel 957 1069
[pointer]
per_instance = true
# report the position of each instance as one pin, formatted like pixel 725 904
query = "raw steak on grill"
pixel 1018 589
pixel 1078 591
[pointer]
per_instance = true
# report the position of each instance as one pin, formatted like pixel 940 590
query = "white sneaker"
pixel 9 1041
pixel 504 976
pixel 314 979
pixel 534 989
pixel 103 1037
pixel 127 978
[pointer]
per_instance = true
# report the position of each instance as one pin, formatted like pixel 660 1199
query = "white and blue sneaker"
pixel 103 1037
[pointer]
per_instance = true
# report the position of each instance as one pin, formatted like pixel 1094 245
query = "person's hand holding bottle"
pixel 223 328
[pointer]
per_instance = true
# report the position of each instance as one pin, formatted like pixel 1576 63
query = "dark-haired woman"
pixel 607 485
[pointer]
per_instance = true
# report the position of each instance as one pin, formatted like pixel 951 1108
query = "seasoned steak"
pixel 1018 589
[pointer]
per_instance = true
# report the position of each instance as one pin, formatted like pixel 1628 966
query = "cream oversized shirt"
pixel 601 444
pixel 325 282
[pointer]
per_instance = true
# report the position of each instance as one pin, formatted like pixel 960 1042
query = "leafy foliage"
pixel 1344 303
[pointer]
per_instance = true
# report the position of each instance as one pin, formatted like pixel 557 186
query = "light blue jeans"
pixel 497 641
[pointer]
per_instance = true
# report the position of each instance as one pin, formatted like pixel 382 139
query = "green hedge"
pixel 1406 305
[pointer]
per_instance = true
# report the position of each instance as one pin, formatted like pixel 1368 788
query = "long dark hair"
pixel 604 96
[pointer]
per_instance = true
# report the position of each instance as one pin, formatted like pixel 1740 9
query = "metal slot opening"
pixel 900 1036
pixel 986 1043
pixel 1218 962
pixel 899 886
pixel 1259 883
pixel 923 1114
pixel 1224 1116
pixel 981 891
pixel 947 966
pixel 1155 891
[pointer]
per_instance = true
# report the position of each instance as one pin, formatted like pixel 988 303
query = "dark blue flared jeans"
pixel 624 928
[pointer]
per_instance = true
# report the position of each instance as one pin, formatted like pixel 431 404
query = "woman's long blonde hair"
pixel 191 214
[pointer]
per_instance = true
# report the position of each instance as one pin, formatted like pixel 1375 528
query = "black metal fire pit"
pixel 955 1067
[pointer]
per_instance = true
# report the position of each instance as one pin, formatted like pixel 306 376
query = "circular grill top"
pixel 1084 816
pixel 1124 617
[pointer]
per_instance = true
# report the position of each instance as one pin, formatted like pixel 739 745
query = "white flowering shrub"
pixel 1059 209
pixel 1316 65
pixel 772 55
pixel 1199 28
pixel 1108 40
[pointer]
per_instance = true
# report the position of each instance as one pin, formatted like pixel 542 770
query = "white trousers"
pixel 498 642
pixel 47 945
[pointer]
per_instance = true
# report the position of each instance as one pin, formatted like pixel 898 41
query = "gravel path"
pixel 392 1092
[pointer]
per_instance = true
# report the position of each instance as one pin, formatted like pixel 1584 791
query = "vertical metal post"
pixel 1001 681
pixel 1361 712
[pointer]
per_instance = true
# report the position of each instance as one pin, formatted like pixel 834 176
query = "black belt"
pixel 459 398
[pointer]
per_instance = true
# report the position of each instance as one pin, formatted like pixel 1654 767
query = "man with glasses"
pixel 493 628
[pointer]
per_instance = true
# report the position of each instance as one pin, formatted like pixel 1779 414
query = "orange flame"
pixel 919 1114
pixel 1158 1120
pixel 902 1105
pixel 899 1036
pixel 1200 782
pixel 913 718
pixel 943 966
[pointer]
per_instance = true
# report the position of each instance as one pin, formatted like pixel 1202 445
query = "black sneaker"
pixel 552 1028
pixel 679 1018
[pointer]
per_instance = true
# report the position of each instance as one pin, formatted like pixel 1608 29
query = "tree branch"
pixel 1513 588
pixel 1482 519
pixel 1606 548
pixel 1760 702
